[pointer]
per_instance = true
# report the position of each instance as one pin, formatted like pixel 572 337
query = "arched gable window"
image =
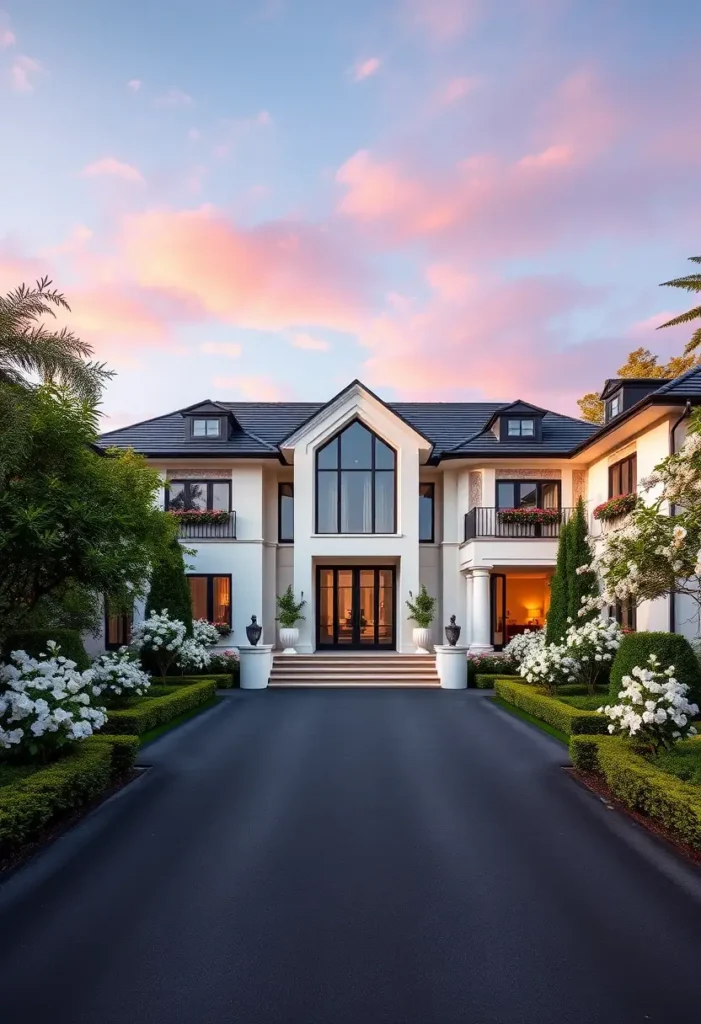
pixel 355 483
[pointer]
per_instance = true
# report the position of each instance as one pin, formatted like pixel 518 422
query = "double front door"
pixel 355 607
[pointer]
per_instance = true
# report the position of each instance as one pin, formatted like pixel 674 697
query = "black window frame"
pixel 539 484
pixel 210 577
pixel 126 623
pixel 208 483
pixel 432 489
pixel 625 613
pixel 616 468
pixel 339 470
pixel 280 496
pixel 618 401
pixel 219 420
pixel 520 420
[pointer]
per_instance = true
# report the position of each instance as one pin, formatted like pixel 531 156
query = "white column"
pixel 481 639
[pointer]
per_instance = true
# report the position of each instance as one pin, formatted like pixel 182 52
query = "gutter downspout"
pixel 672 451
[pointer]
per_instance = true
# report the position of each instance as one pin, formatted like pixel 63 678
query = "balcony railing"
pixel 225 530
pixel 487 522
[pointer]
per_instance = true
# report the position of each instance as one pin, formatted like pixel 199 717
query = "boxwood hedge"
pixel 30 804
pixel 151 712
pixel 641 785
pixel 571 721
pixel 224 682
pixel 485 681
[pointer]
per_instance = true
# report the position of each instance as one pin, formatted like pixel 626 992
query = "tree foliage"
pixel 169 589
pixel 639 363
pixel 581 586
pixel 70 516
pixel 690 283
pixel 556 625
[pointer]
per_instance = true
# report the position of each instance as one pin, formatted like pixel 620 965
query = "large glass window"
pixel 286 513
pixel 355 483
pixel 528 493
pixel 426 512
pixel 623 477
pixel 211 597
pixel 182 495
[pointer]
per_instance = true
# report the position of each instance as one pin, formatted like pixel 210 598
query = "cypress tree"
pixel 170 588
pixel 578 553
pixel 556 626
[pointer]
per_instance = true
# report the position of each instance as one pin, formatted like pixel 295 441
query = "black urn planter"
pixel 452 632
pixel 253 631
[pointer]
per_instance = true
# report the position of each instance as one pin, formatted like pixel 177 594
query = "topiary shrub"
pixel 170 588
pixel 556 624
pixel 34 642
pixel 670 649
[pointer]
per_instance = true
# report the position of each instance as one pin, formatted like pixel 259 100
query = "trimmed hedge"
pixel 561 716
pixel 487 665
pixel 641 785
pixel 224 682
pixel 670 648
pixel 34 641
pixel 151 712
pixel 486 681
pixel 35 801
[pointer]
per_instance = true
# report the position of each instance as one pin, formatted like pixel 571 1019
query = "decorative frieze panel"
pixel 475 490
pixel 528 474
pixel 198 474
pixel 579 485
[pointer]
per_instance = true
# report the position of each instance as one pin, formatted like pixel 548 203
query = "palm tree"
pixel 29 347
pixel 692 283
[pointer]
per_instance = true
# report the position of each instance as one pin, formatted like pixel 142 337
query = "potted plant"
pixel 422 611
pixel 288 617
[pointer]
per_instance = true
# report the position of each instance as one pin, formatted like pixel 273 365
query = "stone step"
pixel 378 684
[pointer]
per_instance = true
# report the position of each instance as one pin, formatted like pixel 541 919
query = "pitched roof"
pixel 560 434
pixel 686 386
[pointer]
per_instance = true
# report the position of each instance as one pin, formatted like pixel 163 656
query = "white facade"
pixel 494 583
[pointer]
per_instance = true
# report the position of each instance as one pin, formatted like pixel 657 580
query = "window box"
pixel 530 516
pixel 615 507
pixel 212 517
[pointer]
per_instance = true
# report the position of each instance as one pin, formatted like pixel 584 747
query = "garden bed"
pixel 166 703
pixel 563 717
pixel 651 793
pixel 37 798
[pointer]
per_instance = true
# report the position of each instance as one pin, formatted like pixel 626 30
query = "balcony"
pixel 490 522
pixel 192 529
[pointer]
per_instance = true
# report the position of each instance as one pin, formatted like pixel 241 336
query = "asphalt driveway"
pixel 352 857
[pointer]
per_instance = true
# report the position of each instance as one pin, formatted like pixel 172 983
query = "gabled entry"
pixel 355 607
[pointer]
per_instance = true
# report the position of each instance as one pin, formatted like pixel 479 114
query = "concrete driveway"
pixel 352 857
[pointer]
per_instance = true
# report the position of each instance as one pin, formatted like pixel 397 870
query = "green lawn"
pixel 684 761
pixel 584 702
pixel 525 717
pixel 153 734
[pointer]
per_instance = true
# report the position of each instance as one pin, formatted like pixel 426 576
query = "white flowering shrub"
pixel 524 644
pixel 161 636
pixel 119 680
pixel 193 655
pixel 205 633
pixel 45 704
pixel 590 648
pixel 545 665
pixel 652 707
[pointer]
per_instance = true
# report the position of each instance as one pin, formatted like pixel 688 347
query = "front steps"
pixel 357 670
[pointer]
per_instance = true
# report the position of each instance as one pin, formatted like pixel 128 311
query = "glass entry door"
pixel 355 607
pixel 498 593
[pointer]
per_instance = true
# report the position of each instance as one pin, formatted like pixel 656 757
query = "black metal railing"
pixel 488 522
pixel 225 530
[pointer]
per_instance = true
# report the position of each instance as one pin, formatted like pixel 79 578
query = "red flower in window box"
pixel 615 507
pixel 530 516
pixel 209 516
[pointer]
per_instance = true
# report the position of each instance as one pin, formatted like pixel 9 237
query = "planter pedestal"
pixel 256 663
pixel 451 664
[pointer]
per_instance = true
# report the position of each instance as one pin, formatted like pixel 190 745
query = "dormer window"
pixel 521 428
pixel 206 428
pixel 615 406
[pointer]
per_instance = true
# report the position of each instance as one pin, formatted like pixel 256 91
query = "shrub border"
pixel 486 680
pixel 224 680
pixel 571 721
pixel 640 785
pixel 151 712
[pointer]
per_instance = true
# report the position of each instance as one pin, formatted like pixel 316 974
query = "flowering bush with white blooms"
pixel 45 704
pixel 523 644
pixel 205 633
pixel 590 648
pixel 161 636
pixel 545 665
pixel 193 655
pixel 652 707
pixel 118 679
pixel 651 552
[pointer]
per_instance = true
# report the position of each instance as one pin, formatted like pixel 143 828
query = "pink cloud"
pixel 366 68
pixel 222 348
pixel 173 99
pixel 7 36
pixel 440 20
pixel 134 84
pixel 310 343
pixel 255 389
pixel 24 73
pixel 109 166
pixel 277 275
pixel 457 89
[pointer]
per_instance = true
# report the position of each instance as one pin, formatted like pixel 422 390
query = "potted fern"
pixel 288 617
pixel 422 611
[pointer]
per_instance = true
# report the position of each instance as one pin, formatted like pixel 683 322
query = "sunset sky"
pixel 263 199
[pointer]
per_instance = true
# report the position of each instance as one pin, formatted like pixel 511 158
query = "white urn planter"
pixel 422 640
pixel 289 638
